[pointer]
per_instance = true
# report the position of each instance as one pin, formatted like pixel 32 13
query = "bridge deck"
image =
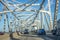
pixel 29 37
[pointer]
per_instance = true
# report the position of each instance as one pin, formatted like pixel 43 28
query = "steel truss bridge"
pixel 19 16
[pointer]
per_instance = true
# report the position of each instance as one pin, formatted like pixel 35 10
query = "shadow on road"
pixel 45 37
pixel 14 39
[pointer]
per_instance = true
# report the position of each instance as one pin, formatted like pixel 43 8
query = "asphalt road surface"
pixel 30 37
pixel 35 37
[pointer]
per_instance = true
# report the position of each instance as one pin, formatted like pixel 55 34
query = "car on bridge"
pixel 26 31
pixel 41 32
pixel 1 33
pixel 56 31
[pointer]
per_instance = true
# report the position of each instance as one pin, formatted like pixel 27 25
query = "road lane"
pixel 31 37
pixel 35 37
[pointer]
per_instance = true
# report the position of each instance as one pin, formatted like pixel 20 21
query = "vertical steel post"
pixel 51 24
pixel 55 14
pixel 4 22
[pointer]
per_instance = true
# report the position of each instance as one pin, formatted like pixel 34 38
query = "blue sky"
pixel 33 7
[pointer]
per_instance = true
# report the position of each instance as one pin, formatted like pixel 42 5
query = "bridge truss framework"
pixel 28 22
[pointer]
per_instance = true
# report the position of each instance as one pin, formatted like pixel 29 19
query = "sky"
pixel 25 13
